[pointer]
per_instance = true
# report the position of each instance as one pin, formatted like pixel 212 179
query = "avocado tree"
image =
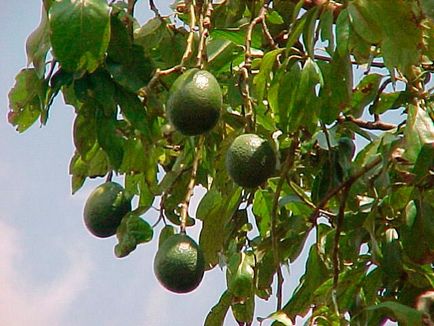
pixel 261 103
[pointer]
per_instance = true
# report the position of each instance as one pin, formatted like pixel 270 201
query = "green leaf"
pixel 418 231
pixel 306 104
pixel 389 101
pixel 84 130
pixel 392 24
pixel 424 165
pixel 309 29
pixel 279 316
pixel 38 44
pixel 295 32
pixel 329 176
pixel 261 79
pixel 106 131
pixel 336 93
pixel 134 73
pixel 265 270
pixel 166 232
pixel 236 35
pixel 102 89
pixel 404 314
pixel 216 316
pixel 210 202
pixel 240 274
pixel 244 310
pixel 365 93
pixel 134 111
pixel 275 18
pixel 26 99
pixel 343 32
pixel 283 93
pixel 212 234
pixel 326 26
pixel 80 32
pixel 419 130
pixel 295 238
pixel 120 41
pixel 316 273
pixel 95 165
pixel 363 21
pixel 134 158
pixel 428 8
pixel 132 231
pixel 262 209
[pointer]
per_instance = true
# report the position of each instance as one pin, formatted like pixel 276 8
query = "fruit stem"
pixel 186 202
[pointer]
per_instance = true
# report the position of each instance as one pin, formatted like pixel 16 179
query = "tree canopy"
pixel 314 78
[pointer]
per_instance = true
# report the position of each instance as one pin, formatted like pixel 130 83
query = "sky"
pixel 52 271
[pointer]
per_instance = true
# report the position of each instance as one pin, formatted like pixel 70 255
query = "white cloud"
pixel 24 303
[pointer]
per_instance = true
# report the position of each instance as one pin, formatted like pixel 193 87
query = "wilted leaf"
pixel 26 99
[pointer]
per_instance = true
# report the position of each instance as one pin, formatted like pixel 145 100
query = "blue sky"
pixel 52 271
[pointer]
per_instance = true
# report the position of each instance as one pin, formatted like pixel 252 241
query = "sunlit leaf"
pixel 216 316
pixel 132 231
pixel 404 314
pixel 80 32
pixel 419 130
pixel 38 44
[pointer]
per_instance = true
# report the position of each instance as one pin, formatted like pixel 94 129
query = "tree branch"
pixel 186 202
pixel 154 8
pixel 372 125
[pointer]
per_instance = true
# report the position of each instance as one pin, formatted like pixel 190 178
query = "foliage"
pixel 312 77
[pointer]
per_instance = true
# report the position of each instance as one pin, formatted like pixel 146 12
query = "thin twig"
pixel 306 201
pixel 186 202
pixel 274 240
pixel 109 176
pixel 154 8
pixel 336 259
pixel 189 48
pixel 328 59
pixel 156 78
pixel 205 25
pixel 268 35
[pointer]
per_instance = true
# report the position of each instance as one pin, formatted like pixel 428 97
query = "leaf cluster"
pixel 316 80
